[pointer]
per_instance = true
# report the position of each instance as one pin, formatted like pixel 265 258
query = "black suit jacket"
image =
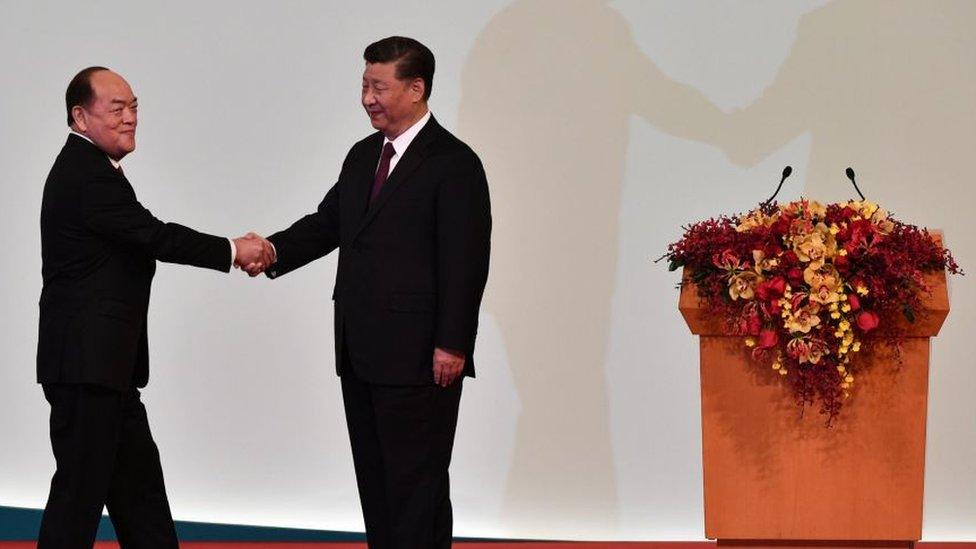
pixel 99 248
pixel 412 267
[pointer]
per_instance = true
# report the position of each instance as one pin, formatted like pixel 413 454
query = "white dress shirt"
pixel 403 140
pixel 115 163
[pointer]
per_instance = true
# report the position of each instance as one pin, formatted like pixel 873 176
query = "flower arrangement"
pixel 807 286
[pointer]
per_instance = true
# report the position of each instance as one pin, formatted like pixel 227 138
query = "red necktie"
pixel 382 171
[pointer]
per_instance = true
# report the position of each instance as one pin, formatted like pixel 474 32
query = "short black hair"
pixel 80 91
pixel 413 59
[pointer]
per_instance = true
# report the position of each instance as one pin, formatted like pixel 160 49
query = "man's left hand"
pixel 448 365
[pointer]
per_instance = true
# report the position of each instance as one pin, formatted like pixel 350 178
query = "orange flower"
pixel 762 262
pixel 802 319
pixel 805 349
pixel 825 284
pixel 755 219
pixel 816 246
pixel 743 285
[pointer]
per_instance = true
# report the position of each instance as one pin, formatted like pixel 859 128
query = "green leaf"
pixel 909 314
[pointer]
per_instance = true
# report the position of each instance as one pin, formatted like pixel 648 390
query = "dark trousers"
pixel 402 438
pixel 105 457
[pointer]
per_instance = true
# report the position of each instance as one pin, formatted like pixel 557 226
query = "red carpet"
pixel 525 545
pixel 499 545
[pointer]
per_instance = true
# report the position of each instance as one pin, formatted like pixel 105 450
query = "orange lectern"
pixel 776 476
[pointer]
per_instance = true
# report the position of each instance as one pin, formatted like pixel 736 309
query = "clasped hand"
pixel 254 254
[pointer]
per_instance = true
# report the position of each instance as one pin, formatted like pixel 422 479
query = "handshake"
pixel 254 254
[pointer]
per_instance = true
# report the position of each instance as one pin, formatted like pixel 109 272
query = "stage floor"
pixel 468 545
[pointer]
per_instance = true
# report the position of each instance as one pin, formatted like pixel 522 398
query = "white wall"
pixel 603 127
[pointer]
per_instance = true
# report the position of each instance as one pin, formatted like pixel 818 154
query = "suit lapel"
pixel 412 159
pixel 99 156
pixel 364 177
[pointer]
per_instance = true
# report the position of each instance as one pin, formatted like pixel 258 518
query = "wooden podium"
pixel 775 476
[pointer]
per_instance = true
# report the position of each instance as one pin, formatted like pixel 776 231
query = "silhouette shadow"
pixel 548 91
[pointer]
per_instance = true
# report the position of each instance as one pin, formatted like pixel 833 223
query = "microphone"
pixel 850 175
pixel 786 173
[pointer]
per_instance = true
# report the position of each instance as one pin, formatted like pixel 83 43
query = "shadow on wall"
pixel 885 86
pixel 547 95
pixel 548 91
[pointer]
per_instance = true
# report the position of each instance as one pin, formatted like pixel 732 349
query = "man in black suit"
pixel 410 215
pixel 99 248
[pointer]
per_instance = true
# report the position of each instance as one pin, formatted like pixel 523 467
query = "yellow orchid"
pixel 825 284
pixel 816 246
pixel 867 208
pixel 763 263
pixel 878 216
pixel 817 209
pixel 806 349
pixel 755 219
pixel 816 353
pixel 743 285
pixel 803 319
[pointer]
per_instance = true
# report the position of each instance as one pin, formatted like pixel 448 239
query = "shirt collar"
pixel 110 159
pixel 403 140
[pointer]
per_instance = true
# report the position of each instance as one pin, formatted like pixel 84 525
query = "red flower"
pixel 781 226
pixel 727 260
pixel 842 263
pixel 795 275
pixel 771 289
pixel 790 258
pixel 854 302
pixel 750 322
pixel 754 324
pixel 768 338
pixel 868 320
pixel 860 231
pixel 772 250
pixel 844 233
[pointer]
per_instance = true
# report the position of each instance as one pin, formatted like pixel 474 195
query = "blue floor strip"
pixel 18 524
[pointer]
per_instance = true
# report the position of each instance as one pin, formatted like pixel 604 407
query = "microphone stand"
pixel 850 175
pixel 786 173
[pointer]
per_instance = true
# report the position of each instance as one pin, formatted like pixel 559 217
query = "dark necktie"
pixel 119 169
pixel 382 171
